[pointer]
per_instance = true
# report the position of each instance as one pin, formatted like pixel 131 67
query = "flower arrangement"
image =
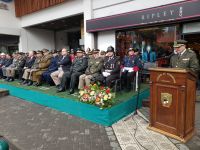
pixel 97 95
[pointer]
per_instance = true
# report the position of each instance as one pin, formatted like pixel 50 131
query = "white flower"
pixel 92 93
pixel 109 96
pixel 105 97
pixel 81 93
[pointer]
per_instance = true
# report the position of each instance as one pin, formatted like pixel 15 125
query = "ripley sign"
pixel 162 14
pixel 173 12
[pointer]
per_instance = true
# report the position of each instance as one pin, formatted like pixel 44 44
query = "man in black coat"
pixel 64 65
pixel 28 64
pixel 78 68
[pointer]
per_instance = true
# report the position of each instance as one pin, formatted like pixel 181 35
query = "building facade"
pixel 142 24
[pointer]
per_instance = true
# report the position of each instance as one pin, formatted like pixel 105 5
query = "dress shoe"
pixel 30 83
pixel 60 90
pixel 11 79
pixel 37 84
pixel 58 86
pixel 24 82
pixel 8 78
pixel 71 91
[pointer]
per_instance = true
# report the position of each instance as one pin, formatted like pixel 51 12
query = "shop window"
pixel 157 39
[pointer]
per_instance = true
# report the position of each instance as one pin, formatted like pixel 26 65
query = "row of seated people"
pixel 65 72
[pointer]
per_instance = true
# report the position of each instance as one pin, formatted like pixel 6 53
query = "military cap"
pixel 95 51
pixel 136 50
pixel 39 52
pixel 45 50
pixel 72 51
pixel 130 49
pixel 110 49
pixel 80 50
pixel 179 43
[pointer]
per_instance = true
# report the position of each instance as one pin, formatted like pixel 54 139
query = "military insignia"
pixel 118 62
pixel 185 59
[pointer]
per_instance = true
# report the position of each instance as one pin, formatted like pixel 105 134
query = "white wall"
pixel 102 8
pixel 106 39
pixel 61 40
pixel 9 24
pixel 36 39
pixel 69 8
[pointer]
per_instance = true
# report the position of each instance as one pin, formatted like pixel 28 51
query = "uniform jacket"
pixel 45 62
pixel 131 61
pixel 65 63
pixel 112 63
pixel 94 66
pixel 187 60
pixel 20 63
pixel 79 65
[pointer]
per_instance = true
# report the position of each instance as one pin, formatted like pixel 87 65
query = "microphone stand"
pixel 138 92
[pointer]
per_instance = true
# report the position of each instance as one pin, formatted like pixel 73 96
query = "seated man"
pixel 7 63
pixel 10 72
pixel 111 68
pixel 95 64
pixel 131 64
pixel 2 59
pixel 64 64
pixel 52 68
pixel 29 63
pixel 43 66
pixel 78 68
pixel 28 73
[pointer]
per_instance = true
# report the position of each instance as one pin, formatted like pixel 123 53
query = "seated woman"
pixel 131 64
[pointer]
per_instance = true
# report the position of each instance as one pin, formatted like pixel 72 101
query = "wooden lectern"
pixel 172 102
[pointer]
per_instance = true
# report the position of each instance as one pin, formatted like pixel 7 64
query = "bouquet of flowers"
pixel 97 95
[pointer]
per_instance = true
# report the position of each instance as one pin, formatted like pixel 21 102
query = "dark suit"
pixel 64 64
pixel 78 68
pixel 52 67
pixel 28 64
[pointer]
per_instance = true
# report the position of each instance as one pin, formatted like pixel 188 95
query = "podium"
pixel 172 102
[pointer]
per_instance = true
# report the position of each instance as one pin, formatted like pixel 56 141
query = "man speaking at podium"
pixel 184 58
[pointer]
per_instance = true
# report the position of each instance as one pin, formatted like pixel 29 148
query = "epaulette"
pixel 190 51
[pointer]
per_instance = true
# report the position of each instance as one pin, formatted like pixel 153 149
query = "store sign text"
pixel 162 15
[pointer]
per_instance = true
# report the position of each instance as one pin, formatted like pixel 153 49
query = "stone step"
pixel 4 92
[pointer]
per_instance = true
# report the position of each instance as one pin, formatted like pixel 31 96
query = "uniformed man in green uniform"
pixel 184 58
pixel 95 64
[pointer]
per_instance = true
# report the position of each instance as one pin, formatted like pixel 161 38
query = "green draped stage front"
pixel 68 105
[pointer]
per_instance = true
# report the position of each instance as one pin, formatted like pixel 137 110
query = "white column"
pixel 88 14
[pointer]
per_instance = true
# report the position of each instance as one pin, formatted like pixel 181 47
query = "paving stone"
pixel 34 127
